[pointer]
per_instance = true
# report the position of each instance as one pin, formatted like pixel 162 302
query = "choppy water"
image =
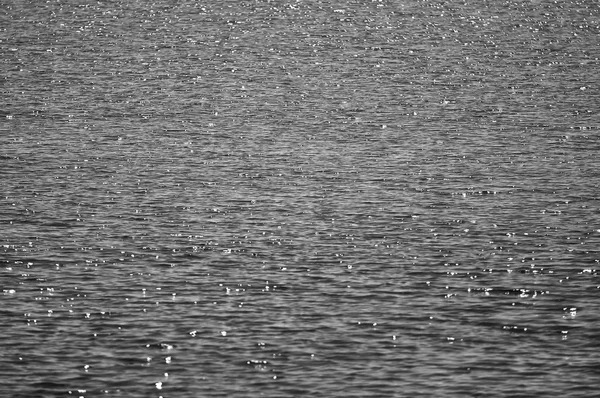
pixel 299 198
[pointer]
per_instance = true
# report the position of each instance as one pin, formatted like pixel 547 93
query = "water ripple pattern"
pixel 345 198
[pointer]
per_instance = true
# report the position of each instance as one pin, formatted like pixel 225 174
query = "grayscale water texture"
pixel 295 198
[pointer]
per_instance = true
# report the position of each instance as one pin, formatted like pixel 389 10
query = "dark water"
pixel 299 198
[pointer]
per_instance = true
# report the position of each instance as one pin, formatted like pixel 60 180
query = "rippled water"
pixel 299 198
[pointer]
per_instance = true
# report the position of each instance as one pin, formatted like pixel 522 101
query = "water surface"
pixel 299 198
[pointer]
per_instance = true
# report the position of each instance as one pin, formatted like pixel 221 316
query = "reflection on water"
pixel 299 198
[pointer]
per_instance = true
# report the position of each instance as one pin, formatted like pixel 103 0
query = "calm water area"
pixel 290 198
